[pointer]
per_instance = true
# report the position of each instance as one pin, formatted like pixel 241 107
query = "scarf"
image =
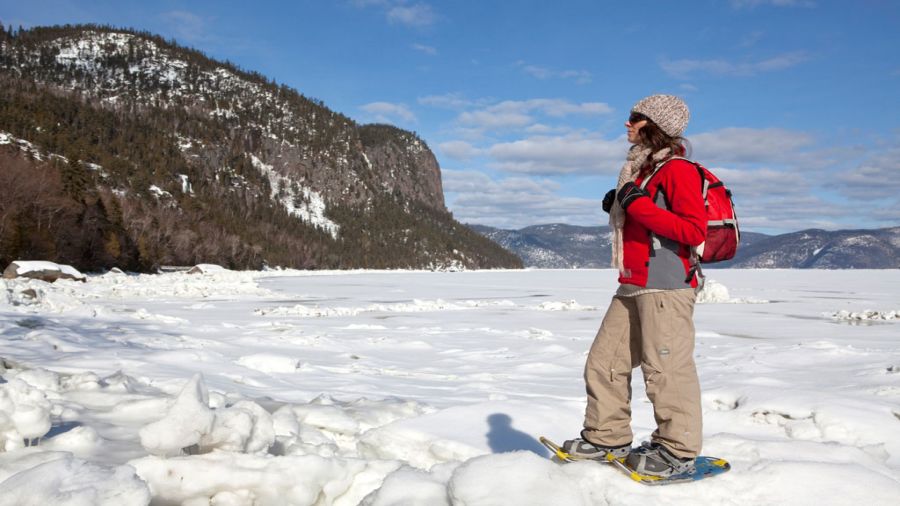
pixel 637 157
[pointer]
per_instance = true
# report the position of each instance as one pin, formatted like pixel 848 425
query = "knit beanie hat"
pixel 669 112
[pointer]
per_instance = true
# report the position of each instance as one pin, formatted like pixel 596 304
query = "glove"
pixel 629 193
pixel 608 200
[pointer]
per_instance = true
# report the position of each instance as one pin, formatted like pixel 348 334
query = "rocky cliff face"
pixel 407 166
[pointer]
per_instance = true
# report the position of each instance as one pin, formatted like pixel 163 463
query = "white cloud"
pixel 889 214
pixel 540 152
pixel 767 199
pixel 803 183
pixel 470 134
pixel 542 129
pixel 515 202
pixel 782 180
pixel 552 107
pixel 875 177
pixel 519 113
pixel 402 12
pixel 450 101
pixel 870 181
pixel 785 224
pixel 559 108
pixel 459 150
pixel 797 213
pixel 779 199
pixel 387 112
pixel 461 181
pixel 495 119
pixel 750 145
pixel 539 72
pixel 779 177
pixel 429 50
pixel 758 184
pixel 573 153
pixel 684 68
pixel 416 15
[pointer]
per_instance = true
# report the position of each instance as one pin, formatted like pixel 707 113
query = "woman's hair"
pixel 654 138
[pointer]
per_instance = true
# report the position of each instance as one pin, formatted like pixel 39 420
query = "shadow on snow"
pixel 502 437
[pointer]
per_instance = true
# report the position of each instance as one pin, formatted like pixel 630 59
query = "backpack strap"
pixel 653 173
pixel 667 160
pixel 698 271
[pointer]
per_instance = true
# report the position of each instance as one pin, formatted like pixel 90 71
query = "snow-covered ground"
pixel 420 388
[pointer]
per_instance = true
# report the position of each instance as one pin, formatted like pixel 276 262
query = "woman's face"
pixel 634 129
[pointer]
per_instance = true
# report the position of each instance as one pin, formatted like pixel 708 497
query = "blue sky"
pixel 794 103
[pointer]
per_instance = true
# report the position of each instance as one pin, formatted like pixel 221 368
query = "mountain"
pixel 566 246
pixel 123 149
pixel 554 246
pixel 821 249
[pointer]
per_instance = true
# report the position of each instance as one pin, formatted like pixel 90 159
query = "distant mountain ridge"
pixel 554 246
pixel 558 246
pixel 822 249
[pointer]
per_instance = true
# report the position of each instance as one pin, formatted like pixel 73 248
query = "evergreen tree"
pixel 75 177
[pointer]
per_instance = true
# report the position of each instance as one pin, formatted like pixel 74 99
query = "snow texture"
pixel 427 388
pixel 303 202
pixel 866 315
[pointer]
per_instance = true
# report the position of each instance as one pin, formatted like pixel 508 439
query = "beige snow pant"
pixel 655 331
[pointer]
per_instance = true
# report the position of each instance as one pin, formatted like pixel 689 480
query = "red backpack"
pixel 722 232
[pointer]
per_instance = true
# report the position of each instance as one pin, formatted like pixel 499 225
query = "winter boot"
pixel 654 459
pixel 580 449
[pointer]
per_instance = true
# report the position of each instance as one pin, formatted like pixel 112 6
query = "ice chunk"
pixel 244 427
pixel 304 479
pixel 24 414
pixel 514 478
pixel 186 422
pixel 713 292
pixel 66 480
pixel 410 486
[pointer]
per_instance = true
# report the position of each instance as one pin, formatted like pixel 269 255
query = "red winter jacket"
pixel 660 230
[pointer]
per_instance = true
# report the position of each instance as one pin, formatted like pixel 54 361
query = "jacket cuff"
pixel 637 205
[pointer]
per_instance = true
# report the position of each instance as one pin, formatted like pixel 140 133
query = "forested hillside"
pixel 118 148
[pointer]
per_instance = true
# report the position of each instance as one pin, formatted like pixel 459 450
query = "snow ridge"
pixel 298 200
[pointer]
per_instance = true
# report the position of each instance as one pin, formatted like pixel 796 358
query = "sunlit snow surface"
pixel 414 387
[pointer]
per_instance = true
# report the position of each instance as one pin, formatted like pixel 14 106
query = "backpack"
pixel 722 232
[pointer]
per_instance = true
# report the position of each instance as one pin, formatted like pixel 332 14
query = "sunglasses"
pixel 636 116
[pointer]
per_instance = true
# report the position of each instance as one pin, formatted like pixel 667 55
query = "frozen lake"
pixel 414 387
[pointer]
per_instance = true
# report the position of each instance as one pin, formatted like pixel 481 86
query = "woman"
pixel 655 223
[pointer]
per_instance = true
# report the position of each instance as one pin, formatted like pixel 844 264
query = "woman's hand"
pixel 629 193
pixel 608 200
